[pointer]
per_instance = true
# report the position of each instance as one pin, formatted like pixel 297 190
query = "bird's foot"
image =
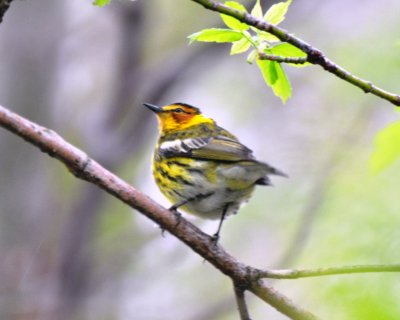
pixel 215 238
pixel 178 215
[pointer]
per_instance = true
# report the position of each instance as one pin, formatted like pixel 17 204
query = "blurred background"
pixel 70 251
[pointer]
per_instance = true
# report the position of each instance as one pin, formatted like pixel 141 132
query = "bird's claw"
pixel 214 239
pixel 178 215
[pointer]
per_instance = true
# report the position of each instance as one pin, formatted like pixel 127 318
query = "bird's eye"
pixel 179 110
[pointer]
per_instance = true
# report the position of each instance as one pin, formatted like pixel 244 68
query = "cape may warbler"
pixel 201 167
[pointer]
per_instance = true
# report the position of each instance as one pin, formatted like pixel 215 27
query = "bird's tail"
pixel 265 181
pixel 276 172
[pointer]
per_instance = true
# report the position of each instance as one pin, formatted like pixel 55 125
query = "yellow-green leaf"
pixel 231 22
pixel 282 87
pixel 265 36
pixel 287 50
pixel 240 46
pixel 276 13
pixel 101 3
pixel 276 78
pixel 216 35
pixel 268 71
pixel 257 10
pixel 387 148
pixel 273 73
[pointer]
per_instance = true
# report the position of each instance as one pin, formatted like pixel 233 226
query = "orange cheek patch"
pixel 182 117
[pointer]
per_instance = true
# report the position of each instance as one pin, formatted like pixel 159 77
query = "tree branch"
pixel 244 277
pixel 85 168
pixel 273 297
pixel 307 273
pixel 4 5
pixel 271 57
pixel 241 303
pixel 314 55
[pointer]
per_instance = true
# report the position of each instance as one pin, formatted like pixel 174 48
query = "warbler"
pixel 201 167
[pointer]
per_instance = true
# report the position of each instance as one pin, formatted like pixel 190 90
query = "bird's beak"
pixel 153 108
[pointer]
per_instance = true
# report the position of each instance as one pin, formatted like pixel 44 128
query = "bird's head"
pixel 177 116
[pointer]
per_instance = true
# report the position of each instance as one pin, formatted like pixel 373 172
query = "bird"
pixel 202 168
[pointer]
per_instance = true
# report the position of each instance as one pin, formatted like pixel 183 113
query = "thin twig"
pixel 307 273
pixel 272 297
pixel 314 55
pixel 241 302
pixel 271 57
pixel 89 170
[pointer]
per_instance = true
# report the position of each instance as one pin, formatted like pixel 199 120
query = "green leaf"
pixel 287 50
pixel 273 73
pixel 257 10
pixel 282 87
pixel 240 46
pixel 276 78
pixel 268 71
pixel 231 22
pixel 101 3
pixel 387 148
pixel 265 36
pixel 216 35
pixel 276 13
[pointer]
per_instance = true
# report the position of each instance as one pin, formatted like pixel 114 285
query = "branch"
pixel 241 303
pixel 244 277
pixel 307 273
pixel 4 5
pixel 85 168
pixel 314 55
pixel 271 57
pixel 273 297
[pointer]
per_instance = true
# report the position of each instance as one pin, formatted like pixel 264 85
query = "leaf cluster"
pixel 259 44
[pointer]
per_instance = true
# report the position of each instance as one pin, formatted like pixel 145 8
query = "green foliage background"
pixel 62 67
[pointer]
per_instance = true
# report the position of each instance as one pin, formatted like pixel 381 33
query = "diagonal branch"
pixel 307 273
pixel 314 55
pixel 85 168
pixel 244 277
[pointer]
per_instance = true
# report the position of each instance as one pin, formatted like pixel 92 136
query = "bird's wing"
pixel 217 148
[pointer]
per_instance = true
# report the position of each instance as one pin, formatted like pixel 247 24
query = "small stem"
pixel 271 57
pixel 272 297
pixel 306 273
pixel 241 303
pixel 250 38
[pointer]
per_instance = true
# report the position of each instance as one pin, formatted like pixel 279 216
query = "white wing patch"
pixel 183 146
